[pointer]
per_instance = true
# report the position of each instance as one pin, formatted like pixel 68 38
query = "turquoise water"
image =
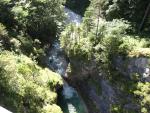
pixel 71 105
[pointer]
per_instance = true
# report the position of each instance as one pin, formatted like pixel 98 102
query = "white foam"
pixel 72 17
pixel 71 108
pixel 68 91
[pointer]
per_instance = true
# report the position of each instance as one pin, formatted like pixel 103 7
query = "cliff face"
pixel 134 66
pixel 97 92
pixel 103 95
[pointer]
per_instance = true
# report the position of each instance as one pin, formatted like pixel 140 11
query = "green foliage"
pixel 39 18
pixel 131 10
pixel 74 43
pixel 3 31
pixel 139 92
pixel 21 44
pixel 27 86
pixel 101 43
pixel 4 39
pixel 142 92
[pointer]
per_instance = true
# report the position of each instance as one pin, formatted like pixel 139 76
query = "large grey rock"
pixel 104 100
pixel 131 66
pixel 3 110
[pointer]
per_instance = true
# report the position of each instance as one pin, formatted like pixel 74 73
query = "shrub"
pixel 39 18
pixel 26 85
pixel 143 97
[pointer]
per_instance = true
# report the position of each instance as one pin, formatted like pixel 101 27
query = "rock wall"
pixel 97 102
pixel 131 67
pixel 104 100
pixel 101 101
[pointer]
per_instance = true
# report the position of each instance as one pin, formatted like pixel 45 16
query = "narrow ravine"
pixel 68 99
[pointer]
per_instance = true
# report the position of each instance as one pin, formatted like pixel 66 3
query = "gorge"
pixel 53 60
pixel 68 99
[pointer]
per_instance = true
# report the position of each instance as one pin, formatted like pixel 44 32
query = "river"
pixel 68 99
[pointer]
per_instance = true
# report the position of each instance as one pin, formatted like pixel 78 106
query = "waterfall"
pixel 72 17
pixel 58 63
pixel 68 91
pixel 71 101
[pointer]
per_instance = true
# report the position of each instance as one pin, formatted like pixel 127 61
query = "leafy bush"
pixel 21 44
pixel 142 92
pixel 4 39
pixel 38 18
pixel 101 43
pixel 74 43
pixel 3 31
pixel 27 86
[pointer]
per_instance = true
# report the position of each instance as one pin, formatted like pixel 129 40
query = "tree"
pixel 40 19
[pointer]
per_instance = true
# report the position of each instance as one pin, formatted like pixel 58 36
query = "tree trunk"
pixel 145 16
pixel 97 27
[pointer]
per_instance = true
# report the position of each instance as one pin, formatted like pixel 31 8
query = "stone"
pixel 3 110
pixel 129 66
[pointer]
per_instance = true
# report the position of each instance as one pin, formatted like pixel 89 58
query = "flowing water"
pixel 68 99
